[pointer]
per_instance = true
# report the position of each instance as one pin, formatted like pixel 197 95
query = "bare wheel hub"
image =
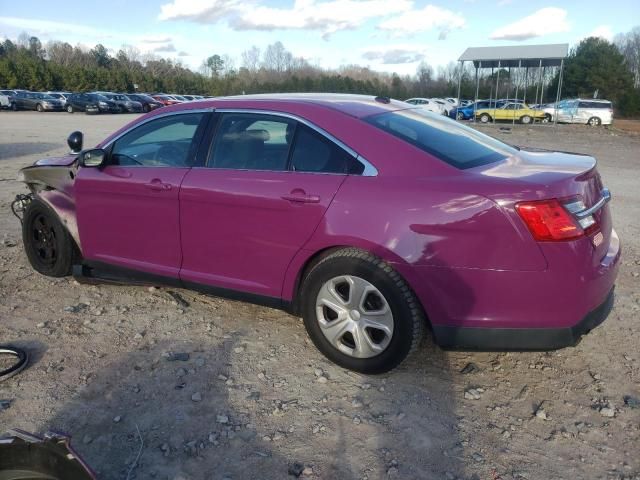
pixel 354 316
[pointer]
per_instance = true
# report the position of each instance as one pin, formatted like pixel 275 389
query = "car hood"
pixel 56 161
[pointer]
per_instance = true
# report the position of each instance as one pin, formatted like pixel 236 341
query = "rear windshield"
pixel 446 139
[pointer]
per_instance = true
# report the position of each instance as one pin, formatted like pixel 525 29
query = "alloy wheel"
pixel 354 316
pixel 44 241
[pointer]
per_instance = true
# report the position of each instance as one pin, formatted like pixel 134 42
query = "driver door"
pixel 128 211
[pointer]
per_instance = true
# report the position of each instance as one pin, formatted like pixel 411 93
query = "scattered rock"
pixel 4 404
pixel 41 325
pixel 75 308
pixel 196 397
pixel 541 413
pixel 7 242
pixel 239 349
pixel 180 301
pixel 307 471
pixel 469 368
pixel 322 379
pixel 152 289
pixel 222 419
pixel 117 419
pixel 318 372
pixel 632 402
pixel 608 411
pixel 357 421
pixel 177 356
pixel 392 472
pixel 365 386
pixel 473 394
pixel 478 457
pixel 296 469
pixel 87 439
pixel 357 403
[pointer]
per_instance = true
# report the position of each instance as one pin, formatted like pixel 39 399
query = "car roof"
pixel 354 105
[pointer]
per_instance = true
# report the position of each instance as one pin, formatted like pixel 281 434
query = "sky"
pixel 386 35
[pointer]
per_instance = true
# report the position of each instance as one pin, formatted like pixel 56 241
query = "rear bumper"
pixel 479 338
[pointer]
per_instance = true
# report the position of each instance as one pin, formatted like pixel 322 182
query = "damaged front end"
pixel 52 181
pixel 51 457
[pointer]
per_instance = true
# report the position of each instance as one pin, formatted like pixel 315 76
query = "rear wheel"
pixel 14 106
pixel 546 118
pixel 485 118
pixel 459 116
pixel 594 121
pixel 146 108
pixel 39 108
pixel 360 313
pixel 47 243
pixel 70 108
pixel 525 119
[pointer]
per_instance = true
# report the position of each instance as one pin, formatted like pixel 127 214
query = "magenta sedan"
pixel 372 219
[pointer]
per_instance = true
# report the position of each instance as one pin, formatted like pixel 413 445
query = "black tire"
pixel 594 122
pixel 39 108
pixel 525 119
pixel 49 246
pixel 459 116
pixel 70 108
pixel 485 118
pixel 14 106
pixel 146 108
pixel 408 316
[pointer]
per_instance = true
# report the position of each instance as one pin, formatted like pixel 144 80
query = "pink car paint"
pixel 453 234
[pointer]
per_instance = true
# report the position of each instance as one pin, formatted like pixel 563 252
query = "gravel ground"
pixel 209 388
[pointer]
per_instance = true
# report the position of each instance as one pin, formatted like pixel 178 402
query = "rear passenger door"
pixel 264 190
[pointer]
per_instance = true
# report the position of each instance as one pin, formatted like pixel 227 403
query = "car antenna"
pixel 382 99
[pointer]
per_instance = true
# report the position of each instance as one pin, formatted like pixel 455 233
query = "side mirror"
pixel 93 158
pixel 75 142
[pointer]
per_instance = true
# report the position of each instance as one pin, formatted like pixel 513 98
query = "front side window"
pixel 164 142
pixel 252 142
pixel 451 142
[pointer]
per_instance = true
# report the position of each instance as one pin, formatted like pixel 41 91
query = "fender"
pixel 54 185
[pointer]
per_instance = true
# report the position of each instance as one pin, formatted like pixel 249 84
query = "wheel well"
pixel 317 258
pixel 306 268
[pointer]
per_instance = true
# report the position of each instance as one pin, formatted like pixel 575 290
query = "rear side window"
pixel 585 104
pixel 314 153
pixel 451 142
pixel 252 142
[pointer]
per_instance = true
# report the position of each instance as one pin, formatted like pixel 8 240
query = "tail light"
pixel 552 221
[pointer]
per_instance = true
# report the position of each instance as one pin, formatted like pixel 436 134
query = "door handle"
pixel 301 198
pixel 157 185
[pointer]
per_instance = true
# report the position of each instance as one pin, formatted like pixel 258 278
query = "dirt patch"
pixel 221 389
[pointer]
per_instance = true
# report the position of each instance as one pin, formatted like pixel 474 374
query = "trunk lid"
pixel 536 174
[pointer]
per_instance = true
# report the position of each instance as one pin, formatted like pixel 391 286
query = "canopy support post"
pixel 517 85
pixel 475 100
pixel 495 105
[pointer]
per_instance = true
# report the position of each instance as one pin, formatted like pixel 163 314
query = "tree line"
pixel 612 69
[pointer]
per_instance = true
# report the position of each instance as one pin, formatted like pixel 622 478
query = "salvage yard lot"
pixel 253 396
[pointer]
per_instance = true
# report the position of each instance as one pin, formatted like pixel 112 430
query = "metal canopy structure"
pixel 517 56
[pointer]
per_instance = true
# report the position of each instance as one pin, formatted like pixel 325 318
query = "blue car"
pixel 466 113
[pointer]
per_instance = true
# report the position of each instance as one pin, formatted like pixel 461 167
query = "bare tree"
pixel 251 59
pixel 629 46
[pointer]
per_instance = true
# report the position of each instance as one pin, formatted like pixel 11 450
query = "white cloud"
pixel 395 54
pixel 543 22
pixel 156 39
pixel 427 18
pixel 168 48
pixel 602 31
pixel 326 16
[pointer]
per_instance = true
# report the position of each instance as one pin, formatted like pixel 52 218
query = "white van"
pixel 592 112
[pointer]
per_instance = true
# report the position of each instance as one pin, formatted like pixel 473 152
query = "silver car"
pixel 586 111
pixel 427 104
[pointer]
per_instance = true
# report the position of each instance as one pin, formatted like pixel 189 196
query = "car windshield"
pixel 453 143
pixel 102 98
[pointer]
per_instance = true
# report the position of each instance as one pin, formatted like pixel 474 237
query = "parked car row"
pixel 90 102
pixel 585 111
